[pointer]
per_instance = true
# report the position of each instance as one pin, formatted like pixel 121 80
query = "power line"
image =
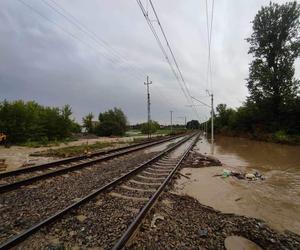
pixel 92 35
pixel 70 18
pixel 67 32
pixel 173 56
pixel 168 45
pixel 160 45
pixel 184 89
pixel 203 103
pixel 84 29
pixel 209 39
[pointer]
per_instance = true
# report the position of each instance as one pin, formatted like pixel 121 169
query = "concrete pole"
pixel 171 120
pixel 212 118
pixel 148 106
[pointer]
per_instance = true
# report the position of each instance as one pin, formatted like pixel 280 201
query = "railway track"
pixel 112 207
pixel 11 180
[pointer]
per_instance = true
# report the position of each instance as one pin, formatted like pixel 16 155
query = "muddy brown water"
pixel 275 200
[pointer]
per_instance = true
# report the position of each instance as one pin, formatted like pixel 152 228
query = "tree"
pixel 274 44
pixel 88 123
pixel 112 122
pixel 225 118
pixel 152 127
pixel 66 120
pixel 193 124
pixel 32 122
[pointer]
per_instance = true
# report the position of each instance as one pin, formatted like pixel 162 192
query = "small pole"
pixel 171 120
pixel 212 118
pixel 148 106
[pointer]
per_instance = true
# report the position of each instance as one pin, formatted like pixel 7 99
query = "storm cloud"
pixel 46 58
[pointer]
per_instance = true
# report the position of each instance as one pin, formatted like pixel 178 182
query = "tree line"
pixel 28 121
pixel 31 122
pixel 273 105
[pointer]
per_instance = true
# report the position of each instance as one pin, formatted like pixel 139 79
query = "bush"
pixel 281 136
pixel 152 127
pixel 111 122
pixel 28 121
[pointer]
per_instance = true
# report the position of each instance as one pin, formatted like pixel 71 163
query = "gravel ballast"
pixel 24 207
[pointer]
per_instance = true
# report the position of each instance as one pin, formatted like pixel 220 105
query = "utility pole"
pixel 171 112
pixel 212 116
pixel 206 127
pixel 148 105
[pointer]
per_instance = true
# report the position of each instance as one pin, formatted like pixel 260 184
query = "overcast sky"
pixel 46 58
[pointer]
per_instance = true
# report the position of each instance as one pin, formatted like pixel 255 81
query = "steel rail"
pixel 76 158
pixel 26 181
pixel 30 231
pixel 143 212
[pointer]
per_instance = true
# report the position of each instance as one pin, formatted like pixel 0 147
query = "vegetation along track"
pixel 13 179
pixel 106 211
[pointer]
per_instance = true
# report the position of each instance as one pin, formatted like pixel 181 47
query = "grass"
pixel 45 143
pixel 81 149
pixel 76 150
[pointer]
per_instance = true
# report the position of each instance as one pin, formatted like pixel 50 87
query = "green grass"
pixel 45 143
pixel 81 149
pixel 76 150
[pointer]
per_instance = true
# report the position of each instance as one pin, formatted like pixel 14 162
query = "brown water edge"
pixel 275 200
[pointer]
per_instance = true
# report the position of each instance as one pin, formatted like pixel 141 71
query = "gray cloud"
pixel 58 65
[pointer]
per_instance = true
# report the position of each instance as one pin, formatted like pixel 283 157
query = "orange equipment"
pixel 2 137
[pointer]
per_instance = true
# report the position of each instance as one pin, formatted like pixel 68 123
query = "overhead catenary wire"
pixel 173 56
pixel 149 22
pixel 92 35
pixel 83 28
pixel 73 36
pixel 179 78
pixel 70 18
pixel 209 26
pixel 161 46
pixel 169 47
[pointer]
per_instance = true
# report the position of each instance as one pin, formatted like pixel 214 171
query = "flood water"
pixel 276 199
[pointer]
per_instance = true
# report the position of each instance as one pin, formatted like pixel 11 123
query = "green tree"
pixel 66 121
pixel 32 122
pixel 112 122
pixel 225 118
pixel 152 127
pixel 274 44
pixel 88 123
pixel 193 124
